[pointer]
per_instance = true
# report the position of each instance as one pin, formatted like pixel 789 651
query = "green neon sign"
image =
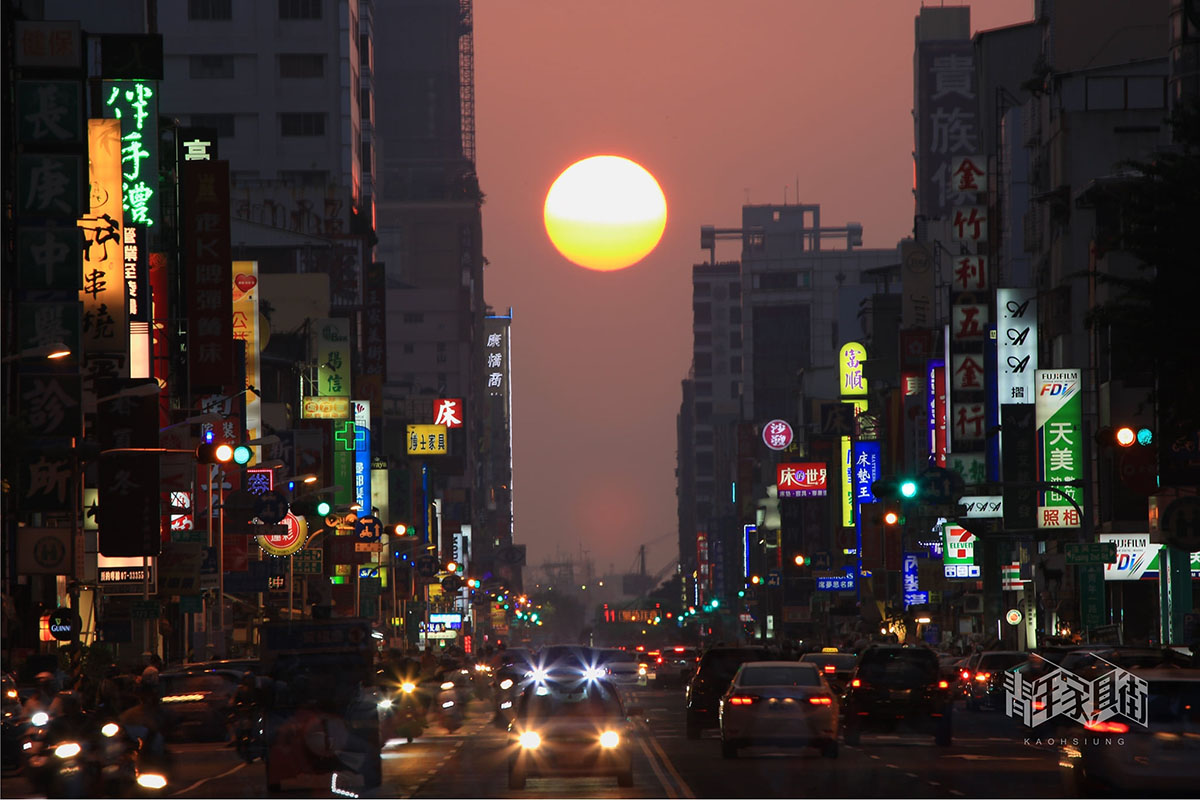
pixel 135 103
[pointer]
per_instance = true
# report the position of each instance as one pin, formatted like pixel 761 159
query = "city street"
pixel 987 759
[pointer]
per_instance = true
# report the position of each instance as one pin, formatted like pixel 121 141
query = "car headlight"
pixel 67 750
pixel 111 729
pixel 448 685
pixel 385 703
pixel 506 683
pixel 151 780
pixel 408 687
pixel 609 739
pixel 40 718
pixel 593 673
pixel 530 740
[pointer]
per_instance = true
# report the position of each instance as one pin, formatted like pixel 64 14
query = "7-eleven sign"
pixel 958 545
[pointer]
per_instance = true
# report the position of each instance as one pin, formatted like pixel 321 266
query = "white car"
pixel 1122 755
pixel 786 703
pixel 622 668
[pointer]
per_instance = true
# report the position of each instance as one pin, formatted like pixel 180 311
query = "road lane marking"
pixel 203 781
pixel 658 773
pixel 684 789
pixel 911 774
pixel 956 793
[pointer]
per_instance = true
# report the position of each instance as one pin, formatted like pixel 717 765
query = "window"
pixel 414 316
pixel 210 67
pixel 777 280
pixel 222 123
pixel 408 349
pixel 704 436
pixel 299 9
pixel 702 313
pixel 735 315
pixel 703 388
pixel 365 157
pixel 210 9
pixel 364 104
pixel 704 464
pixel 301 65
pixel 735 291
pixel 364 50
pixel 702 289
pixel 703 339
pixel 302 124
pixel 703 362
pixel 304 177
pixel 735 389
pixel 735 365
pixel 735 338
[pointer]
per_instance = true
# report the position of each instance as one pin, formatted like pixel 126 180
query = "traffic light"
pixel 242 455
pixel 451 567
pixel 310 507
pixel 473 583
pixel 801 560
pixel 908 488
pixel 1124 436
pixel 211 453
pixel 892 517
pixel 404 529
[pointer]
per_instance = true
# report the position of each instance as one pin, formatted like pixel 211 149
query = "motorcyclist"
pixel 45 688
pixel 148 720
pixel 244 707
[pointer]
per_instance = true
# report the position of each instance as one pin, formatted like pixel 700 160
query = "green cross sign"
pixel 349 435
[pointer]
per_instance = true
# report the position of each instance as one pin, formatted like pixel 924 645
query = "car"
pixel 512 671
pixel 716 669
pixel 571 729
pixel 897 686
pixel 567 662
pixel 1123 756
pixel 785 703
pixel 622 667
pixel 198 701
pixel 836 667
pixel 1092 661
pixel 985 689
pixel 679 663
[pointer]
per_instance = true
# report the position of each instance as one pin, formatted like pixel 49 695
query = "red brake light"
pixel 658 660
pixel 830 668
pixel 1106 727
pixel 966 674
pixel 856 683
pixel 678 649
pixel 821 701
pixel 741 700
pixel 982 676
pixel 943 684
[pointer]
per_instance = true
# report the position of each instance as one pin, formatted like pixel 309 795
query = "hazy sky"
pixel 724 101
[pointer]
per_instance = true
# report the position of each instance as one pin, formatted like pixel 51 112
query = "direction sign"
pixel 310 561
pixel 271 508
pixel 1091 553
pixel 368 527
pixel 427 566
pixel 146 609
pixel 774 578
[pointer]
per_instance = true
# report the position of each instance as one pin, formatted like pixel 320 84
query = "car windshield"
pixel 779 676
pixel 724 663
pixel 617 657
pixel 588 701
pixel 898 667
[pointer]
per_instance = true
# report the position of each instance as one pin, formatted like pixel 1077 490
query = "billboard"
pixel 105 327
pixel 958 552
pixel 209 270
pixel 806 479
pixel 245 328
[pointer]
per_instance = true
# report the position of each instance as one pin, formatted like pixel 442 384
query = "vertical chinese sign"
pixel 130 522
pixel 209 271
pixel 947 122
pixel 135 105
pixel 1059 444
pixel 362 457
pixel 852 386
pixel 105 328
pixel 245 328
pixel 1016 358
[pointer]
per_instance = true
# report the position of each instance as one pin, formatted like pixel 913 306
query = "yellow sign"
pixel 325 408
pixel 847 483
pixel 427 440
pixel 289 542
pixel 106 328
pixel 851 379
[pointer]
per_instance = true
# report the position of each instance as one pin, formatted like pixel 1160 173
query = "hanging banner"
pixel 209 270
pixel 1017 345
pixel 333 357
pixel 1059 410
pixel 135 105
pixel 362 457
pixel 851 380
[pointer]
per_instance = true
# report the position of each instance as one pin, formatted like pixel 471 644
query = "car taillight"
pixel 830 669
pixel 678 649
pixel 856 683
pixel 966 674
pixel 1097 726
pixel 741 700
pixel 658 660
pixel 943 684
pixel 983 677
pixel 821 701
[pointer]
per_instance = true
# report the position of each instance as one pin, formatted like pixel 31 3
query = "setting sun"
pixel 605 213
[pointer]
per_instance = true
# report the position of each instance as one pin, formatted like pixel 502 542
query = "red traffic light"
pixel 214 453
pixel 891 517
pixel 800 560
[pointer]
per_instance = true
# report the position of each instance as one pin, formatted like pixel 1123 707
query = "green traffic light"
pixel 323 508
pixel 1145 437
pixel 242 455
pixel 741 593
pixel 908 488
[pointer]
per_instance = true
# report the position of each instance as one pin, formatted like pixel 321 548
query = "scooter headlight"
pixel 67 750
pixel 385 703
pixel 506 683
pixel 408 687
pixel 40 718
pixel 447 685
pixel 530 740
pixel 111 729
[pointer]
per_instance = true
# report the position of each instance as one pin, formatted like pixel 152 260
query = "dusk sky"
pixel 724 102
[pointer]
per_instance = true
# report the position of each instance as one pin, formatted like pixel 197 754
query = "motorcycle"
pixel 402 714
pixel 247 724
pixel 450 707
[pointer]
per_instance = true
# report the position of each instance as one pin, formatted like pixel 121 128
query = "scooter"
pixel 449 703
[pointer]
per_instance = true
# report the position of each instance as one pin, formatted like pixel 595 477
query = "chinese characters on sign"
pixel 427 440
pixel 851 380
pixel 333 357
pixel 448 412
pixel 209 269
pixel 801 480
pixel 1059 428
pixel 777 434
pixel 948 131
pixel 104 327
pixel 135 104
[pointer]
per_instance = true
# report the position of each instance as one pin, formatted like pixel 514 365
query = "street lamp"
pixel 52 351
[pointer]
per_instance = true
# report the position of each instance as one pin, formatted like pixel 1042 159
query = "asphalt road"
pixel 988 758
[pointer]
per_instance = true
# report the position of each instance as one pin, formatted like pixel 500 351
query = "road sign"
pixel 1091 553
pixel 368 528
pixel 822 559
pixel 427 566
pixel 271 508
pixel 146 609
pixel 1091 595
pixel 774 578
pixel 451 583
pixel 310 561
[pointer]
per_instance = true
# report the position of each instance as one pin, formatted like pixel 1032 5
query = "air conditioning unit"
pixel 972 604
